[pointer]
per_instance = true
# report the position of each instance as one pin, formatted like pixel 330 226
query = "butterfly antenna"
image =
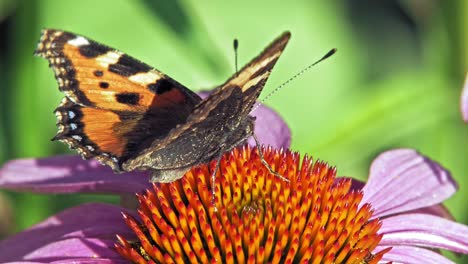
pixel 326 56
pixel 236 45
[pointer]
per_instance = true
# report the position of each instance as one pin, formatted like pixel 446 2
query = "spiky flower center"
pixel 313 218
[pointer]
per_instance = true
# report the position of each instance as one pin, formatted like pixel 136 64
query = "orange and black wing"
pixel 223 112
pixel 114 103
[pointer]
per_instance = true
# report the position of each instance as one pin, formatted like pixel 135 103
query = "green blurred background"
pixel 395 81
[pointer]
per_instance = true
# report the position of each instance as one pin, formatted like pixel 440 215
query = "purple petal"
pixel 402 180
pixel 270 128
pixel 413 255
pixel 425 231
pixel 464 100
pixel 68 174
pixel 82 234
pixel 435 210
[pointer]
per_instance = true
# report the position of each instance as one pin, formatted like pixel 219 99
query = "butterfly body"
pixel 130 116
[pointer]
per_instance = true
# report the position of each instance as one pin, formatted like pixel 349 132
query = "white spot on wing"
pixel 110 57
pixel 78 41
pixel 248 72
pixel 77 137
pixel 70 95
pixel 255 81
pixel 145 78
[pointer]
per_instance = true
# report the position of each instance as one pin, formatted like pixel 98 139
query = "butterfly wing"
pixel 253 76
pixel 114 103
pixel 220 115
pixel 189 143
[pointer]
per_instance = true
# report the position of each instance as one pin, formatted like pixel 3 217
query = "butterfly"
pixel 130 116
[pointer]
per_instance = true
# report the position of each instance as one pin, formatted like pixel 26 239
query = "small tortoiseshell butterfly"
pixel 131 116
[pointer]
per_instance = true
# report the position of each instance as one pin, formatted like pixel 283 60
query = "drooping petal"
pixel 270 128
pixel 402 180
pixel 464 100
pixel 414 255
pixel 68 174
pixel 425 231
pixel 82 234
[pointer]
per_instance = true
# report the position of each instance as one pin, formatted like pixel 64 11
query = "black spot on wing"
pixel 128 66
pixel 128 98
pixel 104 85
pixel 98 73
pixel 93 50
pixel 160 86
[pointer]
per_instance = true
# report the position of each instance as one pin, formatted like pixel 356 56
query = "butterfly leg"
pixel 264 162
pixel 213 182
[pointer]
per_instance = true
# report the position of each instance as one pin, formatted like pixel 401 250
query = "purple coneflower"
pixel 261 218
pixel 315 218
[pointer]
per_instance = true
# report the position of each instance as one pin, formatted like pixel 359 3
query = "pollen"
pixel 313 218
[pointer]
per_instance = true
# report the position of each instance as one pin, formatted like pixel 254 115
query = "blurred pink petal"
pixel 464 100
pixel 270 128
pixel 68 174
pixel 402 180
pixel 425 231
pixel 83 234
